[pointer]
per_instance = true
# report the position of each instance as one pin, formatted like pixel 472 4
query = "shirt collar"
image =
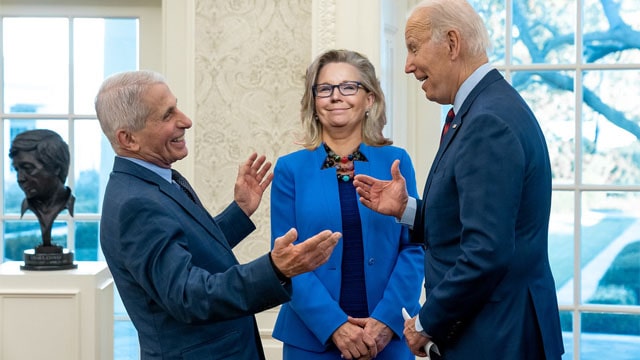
pixel 162 172
pixel 469 84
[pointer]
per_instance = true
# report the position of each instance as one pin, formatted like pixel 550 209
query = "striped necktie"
pixel 447 123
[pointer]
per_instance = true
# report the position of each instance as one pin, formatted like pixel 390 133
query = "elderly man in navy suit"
pixel 484 213
pixel 172 262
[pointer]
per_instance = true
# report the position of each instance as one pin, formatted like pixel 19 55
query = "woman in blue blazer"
pixel 351 306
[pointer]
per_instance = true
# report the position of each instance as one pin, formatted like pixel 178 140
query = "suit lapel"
pixel 199 213
pixel 491 77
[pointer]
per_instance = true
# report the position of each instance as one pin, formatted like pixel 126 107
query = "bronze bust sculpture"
pixel 41 159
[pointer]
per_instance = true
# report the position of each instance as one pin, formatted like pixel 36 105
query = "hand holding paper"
pixel 429 345
pixel 405 314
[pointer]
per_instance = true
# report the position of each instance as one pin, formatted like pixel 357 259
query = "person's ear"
pixel 371 99
pixel 453 42
pixel 126 140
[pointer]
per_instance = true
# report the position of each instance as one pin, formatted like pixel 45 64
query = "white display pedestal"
pixel 57 314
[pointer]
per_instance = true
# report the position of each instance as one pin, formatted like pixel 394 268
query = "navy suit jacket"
pixel 175 271
pixel 484 219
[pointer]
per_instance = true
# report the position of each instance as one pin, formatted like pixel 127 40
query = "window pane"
pixel 20 236
pixel 86 240
pixel 614 335
pixel 610 34
pixel 561 229
pixel 12 127
pixel 25 234
pixel 93 158
pixel 125 340
pixel 611 150
pixel 566 322
pixel 36 65
pixel 610 248
pixel 493 14
pixel 544 31
pixel 551 97
pixel 88 63
pixel 101 47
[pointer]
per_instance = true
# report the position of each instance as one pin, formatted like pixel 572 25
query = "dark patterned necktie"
pixel 447 123
pixel 184 185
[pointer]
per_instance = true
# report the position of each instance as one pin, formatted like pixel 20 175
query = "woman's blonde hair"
pixel 375 120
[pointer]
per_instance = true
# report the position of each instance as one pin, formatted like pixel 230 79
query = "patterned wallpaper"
pixel 250 59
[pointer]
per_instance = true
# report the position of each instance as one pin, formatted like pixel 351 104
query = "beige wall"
pixel 250 59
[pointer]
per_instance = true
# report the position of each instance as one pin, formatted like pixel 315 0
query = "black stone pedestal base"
pixel 48 258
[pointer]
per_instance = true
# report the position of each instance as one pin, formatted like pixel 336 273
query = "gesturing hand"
pixel 251 183
pixel 292 260
pixel 386 197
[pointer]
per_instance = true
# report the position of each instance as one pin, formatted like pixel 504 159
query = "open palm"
pixel 387 197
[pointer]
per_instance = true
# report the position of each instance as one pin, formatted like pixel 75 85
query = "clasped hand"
pixel 361 338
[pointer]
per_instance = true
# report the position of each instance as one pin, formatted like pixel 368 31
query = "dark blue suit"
pixel 176 274
pixel 484 219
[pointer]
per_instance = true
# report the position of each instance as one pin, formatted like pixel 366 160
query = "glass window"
pixel 36 95
pixel 36 65
pixel 577 64
pixel 610 130
pixel 52 68
pixel 561 244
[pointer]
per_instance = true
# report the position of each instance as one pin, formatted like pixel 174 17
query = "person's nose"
pixel 409 67
pixel 335 95
pixel 184 121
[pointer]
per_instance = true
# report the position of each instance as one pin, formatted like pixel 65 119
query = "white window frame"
pixel 166 46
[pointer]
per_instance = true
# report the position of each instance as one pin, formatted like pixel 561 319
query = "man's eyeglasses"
pixel 346 88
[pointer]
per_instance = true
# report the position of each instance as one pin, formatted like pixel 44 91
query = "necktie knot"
pixel 184 185
pixel 447 123
pixel 450 116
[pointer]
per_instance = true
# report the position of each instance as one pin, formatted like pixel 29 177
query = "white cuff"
pixel 409 215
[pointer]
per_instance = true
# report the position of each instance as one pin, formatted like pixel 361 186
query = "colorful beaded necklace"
pixel 343 164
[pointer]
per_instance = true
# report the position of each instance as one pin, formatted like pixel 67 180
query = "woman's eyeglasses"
pixel 346 88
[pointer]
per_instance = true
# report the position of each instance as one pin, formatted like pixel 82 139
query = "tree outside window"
pixel 577 63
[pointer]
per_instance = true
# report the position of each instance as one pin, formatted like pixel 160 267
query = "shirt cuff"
pixel 431 346
pixel 409 214
pixel 284 280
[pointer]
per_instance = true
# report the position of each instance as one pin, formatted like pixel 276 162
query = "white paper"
pixel 406 316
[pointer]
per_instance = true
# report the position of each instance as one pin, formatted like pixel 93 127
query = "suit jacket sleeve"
pixel 189 272
pixel 234 223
